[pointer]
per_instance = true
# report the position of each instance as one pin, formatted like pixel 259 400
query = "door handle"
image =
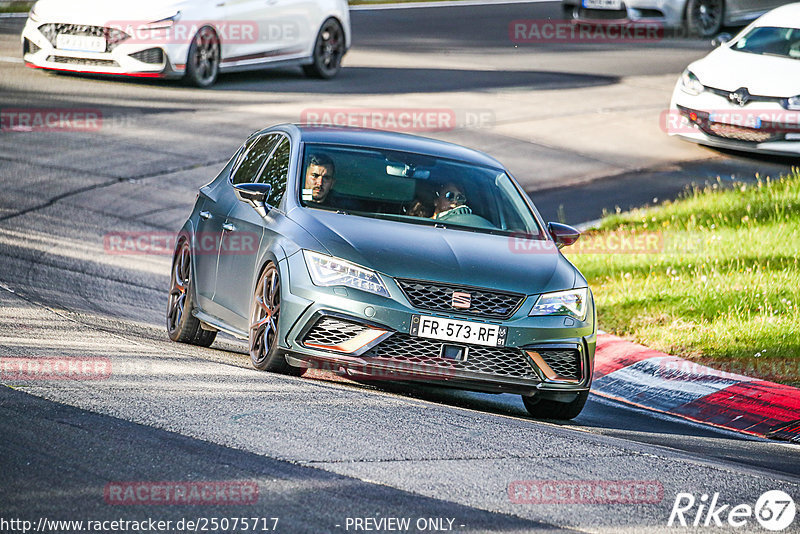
pixel 228 227
pixel 205 214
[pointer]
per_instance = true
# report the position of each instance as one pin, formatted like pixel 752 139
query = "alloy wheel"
pixel 264 317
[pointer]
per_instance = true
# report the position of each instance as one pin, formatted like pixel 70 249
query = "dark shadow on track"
pixel 375 80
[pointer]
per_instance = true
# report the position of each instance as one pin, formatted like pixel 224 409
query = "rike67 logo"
pixel 774 510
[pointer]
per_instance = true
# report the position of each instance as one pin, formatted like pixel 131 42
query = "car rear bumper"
pixel 660 12
pixel 368 336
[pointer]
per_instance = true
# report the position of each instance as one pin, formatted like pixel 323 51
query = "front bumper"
pixel 712 119
pixel 366 335
pixel 140 59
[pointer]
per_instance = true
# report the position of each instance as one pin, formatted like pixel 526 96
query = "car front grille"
pixel 83 61
pixel 602 14
pixel 739 133
pixel 331 331
pixel 113 36
pixel 153 56
pixel 566 363
pixel 419 352
pixel 436 296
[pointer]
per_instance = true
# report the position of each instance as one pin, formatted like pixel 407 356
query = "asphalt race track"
pixel 324 449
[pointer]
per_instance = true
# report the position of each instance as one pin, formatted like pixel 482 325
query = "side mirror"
pixel 563 235
pixel 721 39
pixel 254 194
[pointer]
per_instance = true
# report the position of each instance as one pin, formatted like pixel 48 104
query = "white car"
pixel 745 95
pixel 195 39
pixel 701 17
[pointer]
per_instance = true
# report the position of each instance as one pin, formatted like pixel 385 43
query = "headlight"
pixel 32 16
pixel 162 24
pixel 792 103
pixel 690 83
pixel 572 302
pixel 329 271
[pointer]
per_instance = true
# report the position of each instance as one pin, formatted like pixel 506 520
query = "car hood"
pixel 729 70
pixel 404 250
pixel 101 12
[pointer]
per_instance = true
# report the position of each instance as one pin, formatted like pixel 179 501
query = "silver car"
pixel 700 17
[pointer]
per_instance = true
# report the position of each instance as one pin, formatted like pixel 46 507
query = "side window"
pixel 276 172
pixel 254 157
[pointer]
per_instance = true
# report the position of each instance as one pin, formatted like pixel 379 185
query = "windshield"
pixel 771 41
pixel 414 189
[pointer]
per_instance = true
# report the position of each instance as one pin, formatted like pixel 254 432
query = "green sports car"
pixel 385 256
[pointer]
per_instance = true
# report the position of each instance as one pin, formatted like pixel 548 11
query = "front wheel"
pixel 265 314
pixel 202 65
pixel 550 409
pixel 329 50
pixel 704 17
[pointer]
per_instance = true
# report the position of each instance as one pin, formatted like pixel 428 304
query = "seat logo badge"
pixel 740 96
pixel 461 300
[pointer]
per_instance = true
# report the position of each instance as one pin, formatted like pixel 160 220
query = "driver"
pixel 320 177
pixel 450 200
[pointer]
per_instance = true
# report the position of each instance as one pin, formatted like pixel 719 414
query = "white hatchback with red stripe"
pixel 195 39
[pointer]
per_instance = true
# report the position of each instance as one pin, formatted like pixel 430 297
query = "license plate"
pixel 603 4
pixel 490 335
pixel 80 43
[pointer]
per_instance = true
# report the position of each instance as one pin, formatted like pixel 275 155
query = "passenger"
pixel 450 201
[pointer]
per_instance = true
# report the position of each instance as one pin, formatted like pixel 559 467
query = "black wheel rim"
pixel 205 60
pixel 707 15
pixel 264 318
pixel 179 284
pixel 330 47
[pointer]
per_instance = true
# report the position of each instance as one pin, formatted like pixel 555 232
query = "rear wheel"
pixel 328 51
pixel 202 65
pixel 704 17
pixel 182 326
pixel 550 409
pixel 265 313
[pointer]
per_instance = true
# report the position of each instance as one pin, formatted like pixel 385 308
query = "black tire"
pixel 329 49
pixel 265 314
pixel 704 17
pixel 202 64
pixel 550 409
pixel 182 326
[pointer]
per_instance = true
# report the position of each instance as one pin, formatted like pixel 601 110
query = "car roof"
pixel 380 139
pixel 787 16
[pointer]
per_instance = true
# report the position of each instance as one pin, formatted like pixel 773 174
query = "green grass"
pixel 15 6
pixel 724 289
